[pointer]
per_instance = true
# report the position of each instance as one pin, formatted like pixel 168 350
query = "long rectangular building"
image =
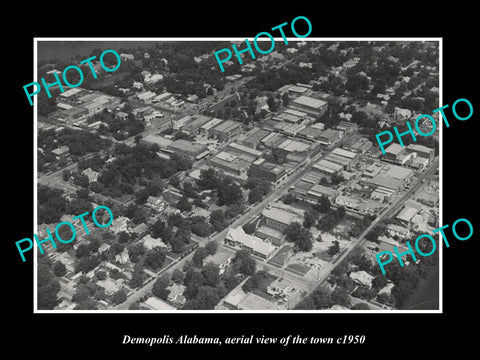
pixel 186 149
pixel 237 237
pixel 253 137
pixel 226 130
pixel 311 106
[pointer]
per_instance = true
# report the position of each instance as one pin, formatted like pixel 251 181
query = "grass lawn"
pixel 281 256
pixel 298 268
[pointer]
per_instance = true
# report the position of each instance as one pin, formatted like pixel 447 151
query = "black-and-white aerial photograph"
pixel 172 176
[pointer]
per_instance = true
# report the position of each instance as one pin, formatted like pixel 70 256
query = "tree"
pixel 360 306
pixel 208 179
pixel 211 247
pixel 134 306
pixel 116 248
pixel 123 237
pixel 217 219
pixel 228 193
pixel 322 205
pixel 178 276
pixel 309 219
pixel 101 275
pixel 255 195
pixel 340 296
pixel 87 264
pixel 201 229
pixel 59 269
pixel 137 279
pixel 155 258
pixel 119 297
pixel 211 274
pixel 135 251
pixel 159 288
pixel 184 204
pixel 233 210
pixel 334 248
pixel 321 298
pixel 47 287
pixel 141 196
pixel 65 175
pixel 288 199
pixel 249 228
pixel 301 237
pixel 81 294
pixel 243 263
pixel 198 256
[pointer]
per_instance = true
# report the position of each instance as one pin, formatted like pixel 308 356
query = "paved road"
pixel 326 271
pixel 252 212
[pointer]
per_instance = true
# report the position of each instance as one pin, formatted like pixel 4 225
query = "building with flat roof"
pixel 309 133
pixel 231 163
pixel 311 106
pixel 61 151
pixel 239 300
pixel 226 130
pixel 291 116
pixel 421 151
pixel 237 237
pixel 186 149
pixel 268 171
pixel 146 96
pixel 272 235
pixel 292 129
pixel 273 140
pixel 205 128
pixel 329 137
pixel 162 97
pixel 162 142
pixel 407 214
pixel 327 167
pixel 358 144
pixel 221 258
pixel 193 126
pixel 252 137
pixel 240 149
pixel 294 146
pixel 279 219
pixel 393 152
pixel 153 303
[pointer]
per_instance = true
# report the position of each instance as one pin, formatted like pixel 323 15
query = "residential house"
pixel 221 259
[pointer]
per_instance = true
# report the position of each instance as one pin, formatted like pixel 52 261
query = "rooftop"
pixel 218 258
pixel 344 153
pixel 397 172
pixel 290 145
pixel 250 241
pixel 329 164
pixel 386 181
pixel 310 102
pixel 269 232
pixel 211 123
pixel 407 213
pixel 417 147
pixel 157 304
pixel 157 139
pixel 282 216
pixel 394 149
pixel 245 149
pixel 227 126
pixel 187 145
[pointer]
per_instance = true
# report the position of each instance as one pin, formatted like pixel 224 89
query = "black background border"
pixel 102 334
